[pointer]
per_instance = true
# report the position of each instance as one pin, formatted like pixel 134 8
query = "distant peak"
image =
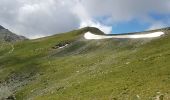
pixel 90 28
pixel 8 36
pixel 1 27
pixel 93 30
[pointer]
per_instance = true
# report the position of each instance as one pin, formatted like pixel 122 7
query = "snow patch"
pixel 63 46
pixel 90 36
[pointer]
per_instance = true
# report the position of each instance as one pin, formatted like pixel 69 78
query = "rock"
pixel 60 45
pixel 11 97
pixel 161 97
pixel 127 63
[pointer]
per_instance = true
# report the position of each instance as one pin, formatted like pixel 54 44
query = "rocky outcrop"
pixel 8 36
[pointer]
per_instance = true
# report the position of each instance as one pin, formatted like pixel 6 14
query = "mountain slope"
pixel 1 27
pixel 67 66
pixel 8 36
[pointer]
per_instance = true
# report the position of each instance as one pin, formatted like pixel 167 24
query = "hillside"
pixel 8 36
pixel 69 67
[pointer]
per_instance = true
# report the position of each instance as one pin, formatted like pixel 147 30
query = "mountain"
pixel 1 27
pixel 69 67
pixel 8 36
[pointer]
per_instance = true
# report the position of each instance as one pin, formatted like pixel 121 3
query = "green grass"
pixel 108 69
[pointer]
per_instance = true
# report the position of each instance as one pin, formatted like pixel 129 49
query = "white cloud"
pixel 38 17
pixel 157 25
pixel 86 20
pixel 124 10
pixel 34 18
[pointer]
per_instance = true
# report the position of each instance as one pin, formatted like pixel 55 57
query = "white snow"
pixel 63 46
pixel 90 35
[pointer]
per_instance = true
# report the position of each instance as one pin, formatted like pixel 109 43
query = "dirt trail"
pixel 12 48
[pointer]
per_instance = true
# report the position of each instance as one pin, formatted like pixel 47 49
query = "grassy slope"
pixel 97 69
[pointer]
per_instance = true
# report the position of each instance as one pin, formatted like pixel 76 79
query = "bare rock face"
pixel 8 36
pixel 1 27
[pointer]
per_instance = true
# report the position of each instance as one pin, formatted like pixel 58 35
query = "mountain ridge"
pixel 8 36
pixel 1 27
pixel 67 66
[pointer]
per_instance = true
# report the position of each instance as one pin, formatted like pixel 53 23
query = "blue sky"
pixel 137 25
pixel 161 17
pixel 130 26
